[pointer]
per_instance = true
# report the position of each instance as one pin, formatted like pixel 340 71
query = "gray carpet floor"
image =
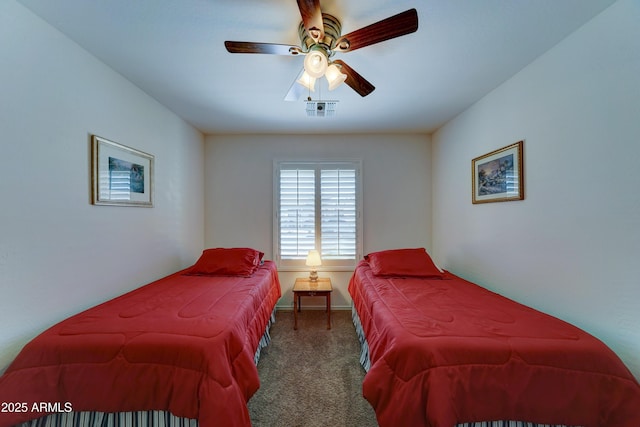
pixel 311 376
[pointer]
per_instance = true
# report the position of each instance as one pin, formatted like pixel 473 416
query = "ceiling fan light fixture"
pixel 334 76
pixel 307 81
pixel 321 37
pixel 316 63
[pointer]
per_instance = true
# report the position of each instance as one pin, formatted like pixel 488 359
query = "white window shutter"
pixel 338 213
pixel 318 207
pixel 297 213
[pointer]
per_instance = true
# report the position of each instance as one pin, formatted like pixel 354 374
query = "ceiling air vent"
pixel 321 108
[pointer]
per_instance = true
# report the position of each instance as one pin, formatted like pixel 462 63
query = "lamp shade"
pixel 313 258
pixel 307 81
pixel 316 63
pixel 334 76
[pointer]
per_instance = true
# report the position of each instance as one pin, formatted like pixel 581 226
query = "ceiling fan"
pixel 320 38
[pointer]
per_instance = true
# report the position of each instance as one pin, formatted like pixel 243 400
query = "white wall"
pixel 58 253
pixel 572 247
pixel 396 192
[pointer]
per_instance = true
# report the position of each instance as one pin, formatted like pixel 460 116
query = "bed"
pixel 441 351
pixel 181 350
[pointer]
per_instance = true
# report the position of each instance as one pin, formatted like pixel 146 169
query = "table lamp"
pixel 313 261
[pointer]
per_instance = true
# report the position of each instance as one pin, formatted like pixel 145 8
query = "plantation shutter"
pixel 297 213
pixel 338 213
pixel 317 207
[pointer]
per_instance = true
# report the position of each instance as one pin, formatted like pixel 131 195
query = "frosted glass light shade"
pixel 334 76
pixel 316 63
pixel 307 81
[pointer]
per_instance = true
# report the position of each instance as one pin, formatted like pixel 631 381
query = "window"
pixel 317 207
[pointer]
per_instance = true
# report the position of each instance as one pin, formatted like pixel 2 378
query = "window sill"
pixel 330 269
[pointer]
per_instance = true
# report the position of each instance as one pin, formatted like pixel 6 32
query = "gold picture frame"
pixel 121 175
pixel 498 176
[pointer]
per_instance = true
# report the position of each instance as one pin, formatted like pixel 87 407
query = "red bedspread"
pixel 183 344
pixel 448 351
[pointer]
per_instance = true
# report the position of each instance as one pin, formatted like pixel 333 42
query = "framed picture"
pixel 121 176
pixel 498 176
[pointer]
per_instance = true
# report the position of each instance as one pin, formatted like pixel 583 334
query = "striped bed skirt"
pixel 117 419
pixel 366 364
pixel 131 419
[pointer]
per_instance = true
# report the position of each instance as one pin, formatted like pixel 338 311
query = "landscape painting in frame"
pixel 498 176
pixel 121 176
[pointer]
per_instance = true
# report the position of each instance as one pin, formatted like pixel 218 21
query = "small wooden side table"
pixel 306 288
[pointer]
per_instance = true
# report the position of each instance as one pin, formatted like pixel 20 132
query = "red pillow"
pixel 227 262
pixel 403 262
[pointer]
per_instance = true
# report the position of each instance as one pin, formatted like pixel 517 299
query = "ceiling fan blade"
pixel 355 80
pixel 268 48
pixel 296 90
pixel 312 18
pixel 392 27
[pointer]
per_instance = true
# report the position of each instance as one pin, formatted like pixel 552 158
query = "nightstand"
pixel 306 288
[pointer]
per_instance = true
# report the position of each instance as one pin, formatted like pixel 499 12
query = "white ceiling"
pixel 174 51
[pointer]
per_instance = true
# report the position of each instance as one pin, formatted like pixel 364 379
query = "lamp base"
pixel 313 276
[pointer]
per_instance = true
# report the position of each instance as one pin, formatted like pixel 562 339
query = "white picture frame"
pixel 121 175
